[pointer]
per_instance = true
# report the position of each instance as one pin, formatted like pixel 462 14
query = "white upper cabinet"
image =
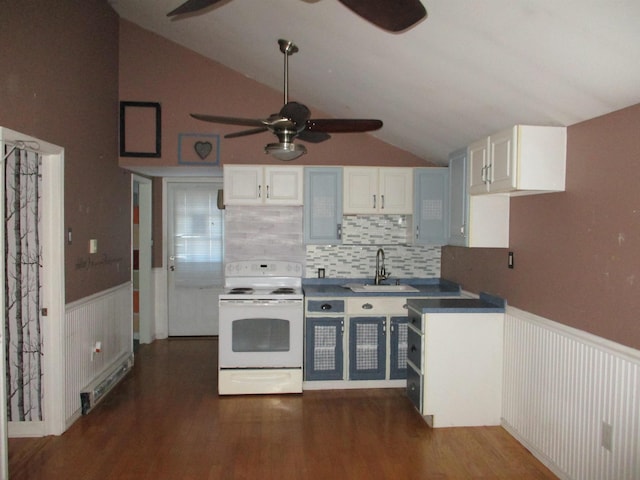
pixel 384 190
pixel 258 185
pixel 522 160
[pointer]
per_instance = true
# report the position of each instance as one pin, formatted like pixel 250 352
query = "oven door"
pixel 260 333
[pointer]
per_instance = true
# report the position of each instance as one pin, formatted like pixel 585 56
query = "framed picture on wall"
pixel 198 149
pixel 140 129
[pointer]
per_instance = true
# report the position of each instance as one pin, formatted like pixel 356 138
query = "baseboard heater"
pixel 91 395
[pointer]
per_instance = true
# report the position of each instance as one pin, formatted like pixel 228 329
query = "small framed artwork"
pixel 198 149
pixel 140 129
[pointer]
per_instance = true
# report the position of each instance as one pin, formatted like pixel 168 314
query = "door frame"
pixel 147 326
pixel 53 277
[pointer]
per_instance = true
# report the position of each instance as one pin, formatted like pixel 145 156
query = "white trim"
pixel 627 353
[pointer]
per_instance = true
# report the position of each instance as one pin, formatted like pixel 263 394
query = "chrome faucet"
pixel 381 271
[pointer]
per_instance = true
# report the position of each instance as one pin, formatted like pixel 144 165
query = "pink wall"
pixel 577 253
pixel 156 70
pixel 59 82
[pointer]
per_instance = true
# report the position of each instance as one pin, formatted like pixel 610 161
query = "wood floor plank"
pixel 165 420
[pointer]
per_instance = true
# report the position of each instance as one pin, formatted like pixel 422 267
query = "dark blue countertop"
pixel 333 287
pixel 485 304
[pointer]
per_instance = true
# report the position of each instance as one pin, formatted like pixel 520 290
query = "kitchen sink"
pixel 369 288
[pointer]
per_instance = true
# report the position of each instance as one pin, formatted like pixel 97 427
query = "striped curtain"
pixel 23 265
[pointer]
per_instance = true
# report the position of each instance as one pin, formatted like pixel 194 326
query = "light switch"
pixel 93 245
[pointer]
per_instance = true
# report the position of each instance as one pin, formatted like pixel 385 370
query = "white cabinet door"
pixel 283 185
pixel 396 190
pixel 243 185
pixel 502 169
pixel 360 190
pixel 478 158
pixel 370 190
pixel 257 185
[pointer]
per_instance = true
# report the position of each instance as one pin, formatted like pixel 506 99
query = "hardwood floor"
pixel 165 420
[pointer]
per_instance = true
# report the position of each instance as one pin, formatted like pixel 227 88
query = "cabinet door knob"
pixel 367 306
pixel 382 202
pixel 325 306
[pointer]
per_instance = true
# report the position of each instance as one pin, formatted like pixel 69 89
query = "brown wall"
pixel 156 70
pixel 59 82
pixel 577 253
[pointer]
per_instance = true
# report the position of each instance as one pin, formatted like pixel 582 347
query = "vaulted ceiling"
pixel 471 68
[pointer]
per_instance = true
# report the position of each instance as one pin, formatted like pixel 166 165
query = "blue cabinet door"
pixel 431 208
pixel 322 205
pixel 398 346
pixel 323 348
pixel 458 199
pixel 367 348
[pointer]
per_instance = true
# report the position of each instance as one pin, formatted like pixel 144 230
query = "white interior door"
pixel 195 250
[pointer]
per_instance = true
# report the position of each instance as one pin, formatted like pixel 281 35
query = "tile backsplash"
pixel 362 235
pixel 275 233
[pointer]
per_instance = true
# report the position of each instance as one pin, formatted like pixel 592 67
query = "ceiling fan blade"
pixel 191 6
pixel 391 15
pixel 343 125
pixel 245 122
pixel 244 133
pixel 313 137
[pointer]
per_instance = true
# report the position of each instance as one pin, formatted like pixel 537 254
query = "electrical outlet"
pixel 607 435
pixel 510 260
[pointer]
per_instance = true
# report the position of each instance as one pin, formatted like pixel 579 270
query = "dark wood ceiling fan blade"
pixel 244 122
pixel 191 6
pixel 343 125
pixel 245 133
pixel 391 15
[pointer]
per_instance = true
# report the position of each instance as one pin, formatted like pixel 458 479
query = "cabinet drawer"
pixel 325 306
pixel 377 305
pixel 414 387
pixel 415 319
pixel 414 347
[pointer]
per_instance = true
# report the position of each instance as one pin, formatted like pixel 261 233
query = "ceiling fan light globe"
pixel 285 151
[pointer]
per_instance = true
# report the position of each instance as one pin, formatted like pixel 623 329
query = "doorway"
pixel 141 241
pixel 195 250
pixel 49 401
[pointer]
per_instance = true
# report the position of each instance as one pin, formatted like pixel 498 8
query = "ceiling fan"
pixel 391 15
pixel 292 121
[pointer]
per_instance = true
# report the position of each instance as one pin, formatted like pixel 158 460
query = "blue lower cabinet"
pixel 367 348
pixel 398 346
pixel 324 348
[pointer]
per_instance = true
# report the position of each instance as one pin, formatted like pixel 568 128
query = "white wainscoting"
pixel 563 389
pixel 105 317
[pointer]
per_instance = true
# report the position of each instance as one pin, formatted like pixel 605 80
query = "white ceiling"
pixel 471 68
